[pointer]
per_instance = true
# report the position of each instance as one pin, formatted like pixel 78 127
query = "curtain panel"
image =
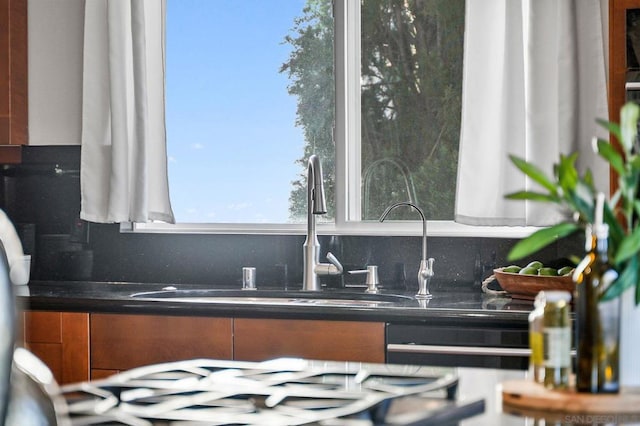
pixel 123 155
pixel 534 82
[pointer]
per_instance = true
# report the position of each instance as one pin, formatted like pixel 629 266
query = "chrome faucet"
pixel 425 272
pixel 315 205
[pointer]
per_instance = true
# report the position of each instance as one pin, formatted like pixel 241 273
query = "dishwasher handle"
pixel 457 350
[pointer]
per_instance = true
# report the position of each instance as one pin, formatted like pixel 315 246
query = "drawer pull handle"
pixel 457 350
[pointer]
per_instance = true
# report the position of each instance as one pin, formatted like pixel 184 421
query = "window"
pixel 255 87
pixel 233 143
pixel 410 100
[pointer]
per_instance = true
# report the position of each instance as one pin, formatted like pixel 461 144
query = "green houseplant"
pixel 575 194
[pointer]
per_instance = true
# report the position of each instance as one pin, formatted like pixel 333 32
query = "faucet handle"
pixel 372 278
pixel 427 271
pixel 332 268
pixel 335 262
pixel 424 278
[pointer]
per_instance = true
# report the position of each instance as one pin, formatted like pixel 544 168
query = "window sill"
pixel 389 228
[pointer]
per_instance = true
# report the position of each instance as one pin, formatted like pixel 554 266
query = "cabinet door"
pixel 120 342
pixel 61 341
pixel 262 339
pixel 13 79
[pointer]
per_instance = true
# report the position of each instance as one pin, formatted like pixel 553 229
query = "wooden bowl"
pixel 527 286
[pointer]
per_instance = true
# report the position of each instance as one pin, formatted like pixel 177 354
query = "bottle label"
pixel 557 347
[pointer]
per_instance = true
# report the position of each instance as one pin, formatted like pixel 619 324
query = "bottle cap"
pixel 600 229
pixel 557 296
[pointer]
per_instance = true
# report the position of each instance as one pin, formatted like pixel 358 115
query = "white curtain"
pixel 534 82
pixel 123 160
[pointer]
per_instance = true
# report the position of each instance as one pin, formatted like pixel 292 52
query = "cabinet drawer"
pixel 121 342
pixel 261 339
pixel 61 341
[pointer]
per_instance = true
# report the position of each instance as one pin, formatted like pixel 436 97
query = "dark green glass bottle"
pixel 597 323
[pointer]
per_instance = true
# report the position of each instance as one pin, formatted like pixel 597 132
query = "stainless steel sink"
pixel 277 297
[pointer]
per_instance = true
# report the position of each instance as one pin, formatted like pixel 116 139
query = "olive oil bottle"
pixel 536 339
pixel 597 323
pixel 556 334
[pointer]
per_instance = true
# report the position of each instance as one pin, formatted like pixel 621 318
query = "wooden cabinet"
pixel 80 346
pixel 61 341
pixel 618 63
pixel 13 79
pixel 121 342
pixel 261 339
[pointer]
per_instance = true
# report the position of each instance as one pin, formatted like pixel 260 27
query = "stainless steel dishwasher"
pixel 456 345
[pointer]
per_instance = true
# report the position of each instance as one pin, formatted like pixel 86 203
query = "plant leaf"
pixel 629 246
pixel 611 127
pixel 629 125
pixel 627 279
pixel 582 200
pixel 616 232
pixel 614 159
pixel 530 195
pixel 567 172
pixel 588 178
pixel 636 207
pixel 634 161
pixel 541 239
pixel 534 173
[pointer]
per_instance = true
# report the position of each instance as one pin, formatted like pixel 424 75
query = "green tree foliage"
pixel 411 96
pixel 310 70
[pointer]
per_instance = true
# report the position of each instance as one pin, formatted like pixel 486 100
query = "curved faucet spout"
pixel 424 222
pixel 425 271
pixel 315 186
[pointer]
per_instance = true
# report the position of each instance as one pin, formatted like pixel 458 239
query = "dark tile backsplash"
pixel 42 197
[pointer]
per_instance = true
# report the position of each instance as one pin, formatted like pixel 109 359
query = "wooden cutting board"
pixel 533 396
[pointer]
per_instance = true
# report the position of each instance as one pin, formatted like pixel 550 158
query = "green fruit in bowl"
pixel 528 271
pixel 565 270
pixel 514 269
pixel 549 272
pixel 536 264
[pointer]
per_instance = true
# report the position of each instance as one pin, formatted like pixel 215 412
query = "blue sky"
pixel 232 140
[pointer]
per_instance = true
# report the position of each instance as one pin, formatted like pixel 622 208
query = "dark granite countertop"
pixel 446 306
